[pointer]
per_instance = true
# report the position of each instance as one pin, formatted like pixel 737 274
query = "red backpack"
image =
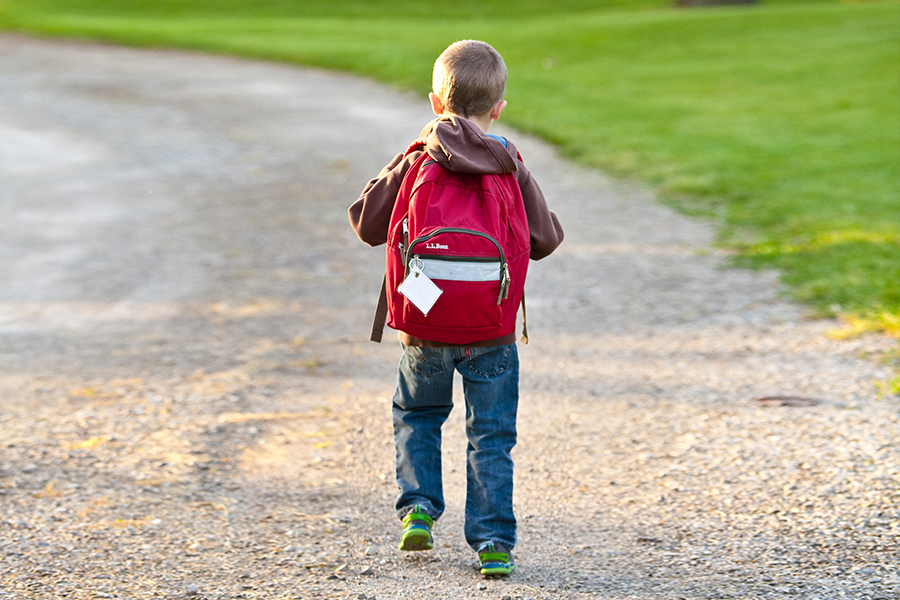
pixel 468 234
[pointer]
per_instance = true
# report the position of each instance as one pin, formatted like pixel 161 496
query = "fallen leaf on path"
pixel 789 401
pixel 50 491
pixel 89 443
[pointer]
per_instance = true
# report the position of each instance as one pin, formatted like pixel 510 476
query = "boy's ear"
pixel 436 105
pixel 498 108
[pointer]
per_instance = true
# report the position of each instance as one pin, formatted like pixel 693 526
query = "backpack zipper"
pixel 504 267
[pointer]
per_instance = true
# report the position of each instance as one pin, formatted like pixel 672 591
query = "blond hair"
pixel 469 78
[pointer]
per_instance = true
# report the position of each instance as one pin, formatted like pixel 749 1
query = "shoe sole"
pixel 504 570
pixel 416 541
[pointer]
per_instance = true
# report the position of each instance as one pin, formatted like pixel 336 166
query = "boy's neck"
pixel 483 122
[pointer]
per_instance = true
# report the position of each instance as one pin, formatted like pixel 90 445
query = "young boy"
pixel 468 86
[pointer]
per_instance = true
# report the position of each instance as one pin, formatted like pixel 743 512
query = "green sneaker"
pixel 496 560
pixel 417 531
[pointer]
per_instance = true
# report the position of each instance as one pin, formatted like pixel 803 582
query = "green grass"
pixel 782 119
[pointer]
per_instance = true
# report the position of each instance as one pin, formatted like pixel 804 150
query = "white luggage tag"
pixel 418 288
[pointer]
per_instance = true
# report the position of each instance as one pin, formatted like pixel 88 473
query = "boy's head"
pixel 469 78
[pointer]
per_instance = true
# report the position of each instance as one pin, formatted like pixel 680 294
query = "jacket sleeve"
pixel 543 224
pixel 370 215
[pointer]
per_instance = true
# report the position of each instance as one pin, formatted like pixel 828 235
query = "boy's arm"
pixel 370 215
pixel 543 224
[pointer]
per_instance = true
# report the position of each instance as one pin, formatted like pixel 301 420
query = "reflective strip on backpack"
pixel 461 270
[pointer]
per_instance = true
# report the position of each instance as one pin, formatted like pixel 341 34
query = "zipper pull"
pixel 504 284
pixel 404 249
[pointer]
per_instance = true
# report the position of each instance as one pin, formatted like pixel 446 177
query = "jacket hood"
pixel 459 145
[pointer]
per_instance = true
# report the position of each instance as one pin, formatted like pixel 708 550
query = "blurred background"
pixel 779 119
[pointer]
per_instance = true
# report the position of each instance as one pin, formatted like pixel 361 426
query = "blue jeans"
pixel 422 403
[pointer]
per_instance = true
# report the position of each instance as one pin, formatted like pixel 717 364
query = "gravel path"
pixel 189 407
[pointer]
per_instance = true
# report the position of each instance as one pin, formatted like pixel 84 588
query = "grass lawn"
pixel 781 119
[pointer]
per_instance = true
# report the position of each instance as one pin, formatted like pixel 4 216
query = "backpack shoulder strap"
pixel 419 144
pixel 380 314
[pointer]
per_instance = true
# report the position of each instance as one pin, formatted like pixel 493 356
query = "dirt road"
pixel 189 407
